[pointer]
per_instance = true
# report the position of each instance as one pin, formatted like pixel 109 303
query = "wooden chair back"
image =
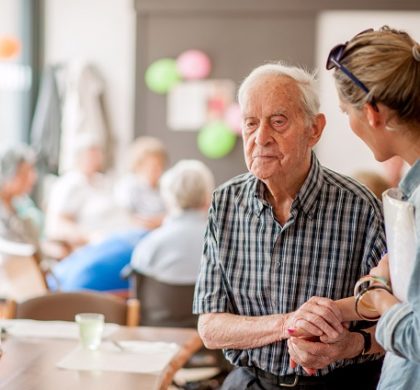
pixel 65 305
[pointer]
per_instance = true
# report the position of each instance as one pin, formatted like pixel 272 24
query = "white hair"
pixel 11 157
pixel 305 81
pixel 187 185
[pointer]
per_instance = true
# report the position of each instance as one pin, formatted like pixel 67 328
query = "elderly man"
pixel 286 231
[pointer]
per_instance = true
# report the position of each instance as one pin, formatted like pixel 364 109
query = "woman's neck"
pixel 409 146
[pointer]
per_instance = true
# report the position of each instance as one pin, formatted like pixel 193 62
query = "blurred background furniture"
pixel 163 304
pixel 64 307
pixel 20 277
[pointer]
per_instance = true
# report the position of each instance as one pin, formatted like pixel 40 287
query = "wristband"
pixel 367 341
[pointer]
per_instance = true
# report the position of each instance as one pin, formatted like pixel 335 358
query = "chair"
pixel 65 305
pixel 20 277
pixel 163 304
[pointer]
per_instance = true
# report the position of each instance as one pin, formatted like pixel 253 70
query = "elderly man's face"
pixel 277 141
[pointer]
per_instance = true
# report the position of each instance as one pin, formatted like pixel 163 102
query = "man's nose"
pixel 263 134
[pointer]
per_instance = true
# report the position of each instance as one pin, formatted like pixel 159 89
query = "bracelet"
pixel 360 296
pixel 371 279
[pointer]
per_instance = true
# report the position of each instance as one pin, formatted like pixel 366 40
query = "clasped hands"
pixel 316 335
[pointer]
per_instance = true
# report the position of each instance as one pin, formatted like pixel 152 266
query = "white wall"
pixel 339 148
pixel 103 33
pixel 10 99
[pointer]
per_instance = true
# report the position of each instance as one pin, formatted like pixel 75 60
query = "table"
pixel 29 363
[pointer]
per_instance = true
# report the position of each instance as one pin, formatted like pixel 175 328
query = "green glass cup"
pixel 91 326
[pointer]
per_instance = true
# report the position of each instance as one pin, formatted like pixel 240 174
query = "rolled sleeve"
pixel 209 296
pixel 388 325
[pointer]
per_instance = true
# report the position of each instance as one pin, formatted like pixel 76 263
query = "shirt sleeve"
pixel 210 296
pixel 66 196
pixel 398 330
pixel 375 244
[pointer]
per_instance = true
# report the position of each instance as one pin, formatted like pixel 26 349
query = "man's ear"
pixel 373 116
pixel 317 128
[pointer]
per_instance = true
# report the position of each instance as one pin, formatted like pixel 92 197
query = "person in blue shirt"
pixel 377 75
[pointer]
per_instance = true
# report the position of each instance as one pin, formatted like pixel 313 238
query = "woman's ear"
pixel 373 115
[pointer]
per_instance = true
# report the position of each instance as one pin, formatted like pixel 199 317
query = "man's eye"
pixel 249 125
pixel 278 121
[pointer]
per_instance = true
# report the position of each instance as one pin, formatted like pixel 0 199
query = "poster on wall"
pixel 192 104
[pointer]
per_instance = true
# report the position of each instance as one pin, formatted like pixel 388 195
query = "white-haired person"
pixel 172 252
pixel 285 231
pixel 138 190
pixel 17 178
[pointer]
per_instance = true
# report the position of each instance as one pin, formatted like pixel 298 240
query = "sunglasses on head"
pixel 334 61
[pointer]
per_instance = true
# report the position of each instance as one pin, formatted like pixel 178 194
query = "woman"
pixel 18 235
pixel 138 190
pixel 377 75
pixel 172 252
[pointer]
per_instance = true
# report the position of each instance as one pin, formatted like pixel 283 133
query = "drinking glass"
pixel 91 326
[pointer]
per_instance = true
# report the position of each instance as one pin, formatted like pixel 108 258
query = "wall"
pixel 339 148
pixel 241 34
pixel 101 32
pixel 10 91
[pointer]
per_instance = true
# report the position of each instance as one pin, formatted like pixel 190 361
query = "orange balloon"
pixel 9 47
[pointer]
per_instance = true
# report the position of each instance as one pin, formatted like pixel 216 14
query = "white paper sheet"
pixel 137 357
pixel 401 240
pixel 49 329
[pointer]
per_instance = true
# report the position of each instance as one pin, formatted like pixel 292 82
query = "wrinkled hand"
pixel 317 355
pixel 316 317
pixel 382 269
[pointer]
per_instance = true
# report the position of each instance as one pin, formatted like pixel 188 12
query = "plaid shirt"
pixel 334 235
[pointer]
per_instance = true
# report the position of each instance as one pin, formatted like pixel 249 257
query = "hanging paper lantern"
pixel 233 117
pixel 162 75
pixel 193 65
pixel 216 140
pixel 9 47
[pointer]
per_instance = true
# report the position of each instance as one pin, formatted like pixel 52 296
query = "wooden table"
pixel 29 363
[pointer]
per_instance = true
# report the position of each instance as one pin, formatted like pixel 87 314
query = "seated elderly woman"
pixel 18 235
pixel 138 190
pixel 172 252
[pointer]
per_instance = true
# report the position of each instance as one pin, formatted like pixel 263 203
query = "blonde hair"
pixel 305 81
pixel 142 148
pixel 388 63
pixel 187 185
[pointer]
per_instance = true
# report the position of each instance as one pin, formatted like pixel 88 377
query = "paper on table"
pixel 401 240
pixel 48 329
pixel 137 357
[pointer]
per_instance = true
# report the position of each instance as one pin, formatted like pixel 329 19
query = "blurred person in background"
pixel 80 207
pixel 17 178
pixel 373 181
pixel 138 190
pixel 172 252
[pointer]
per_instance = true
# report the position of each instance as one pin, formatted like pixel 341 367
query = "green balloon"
pixel 216 140
pixel 162 75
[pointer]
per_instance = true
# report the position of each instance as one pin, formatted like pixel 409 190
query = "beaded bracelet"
pixel 360 296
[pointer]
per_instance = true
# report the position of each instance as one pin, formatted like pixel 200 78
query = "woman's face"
pixel 360 126
pixel 23 181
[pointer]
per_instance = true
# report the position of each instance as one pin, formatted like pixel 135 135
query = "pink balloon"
pixel 233 117
pixel 193 65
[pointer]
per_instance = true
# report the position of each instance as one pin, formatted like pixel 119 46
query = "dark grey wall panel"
pixel 237 35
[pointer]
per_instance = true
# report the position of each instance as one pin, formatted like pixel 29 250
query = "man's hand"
pixel 316 317
pixel 317 355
